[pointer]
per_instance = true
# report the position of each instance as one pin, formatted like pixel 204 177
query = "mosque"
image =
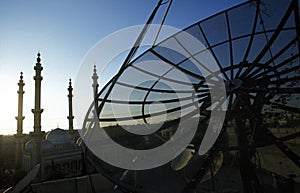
pixel 56 151
pixel 54 161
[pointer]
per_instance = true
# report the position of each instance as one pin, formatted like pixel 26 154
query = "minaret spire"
pixel 20 116
pixel 37 134
pixel 19 137
pixel 95 80
pixel 37 111
pixel 70 117
pixel 95 85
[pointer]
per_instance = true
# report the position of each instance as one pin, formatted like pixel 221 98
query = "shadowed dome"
pixel 29 145
pixel 59 136
pixel 46 145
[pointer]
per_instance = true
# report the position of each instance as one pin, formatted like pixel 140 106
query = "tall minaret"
pixel 95 80
pixel 19 137
pixel 70 117
pixel 37 134
pixel 95 86
pixel 37 111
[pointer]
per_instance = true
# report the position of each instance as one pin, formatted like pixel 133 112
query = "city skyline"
pixel 63 32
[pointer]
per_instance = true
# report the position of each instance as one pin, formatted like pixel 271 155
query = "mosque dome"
pixel 29 145
pixel 46 145
pixel 59 136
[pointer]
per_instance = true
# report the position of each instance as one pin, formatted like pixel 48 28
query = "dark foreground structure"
pixel 255 47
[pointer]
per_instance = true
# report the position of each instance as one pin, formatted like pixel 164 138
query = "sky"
pixel 63 32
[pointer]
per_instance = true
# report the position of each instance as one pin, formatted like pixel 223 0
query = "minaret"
pixel 37 111
pixel 19 137
pixel 95 86
pixel 70 117
pixel 37 134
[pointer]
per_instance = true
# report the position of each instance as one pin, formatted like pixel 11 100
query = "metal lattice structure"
pixel 256 47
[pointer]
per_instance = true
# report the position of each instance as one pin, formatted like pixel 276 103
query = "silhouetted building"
pixel 56 151
pixel 60 156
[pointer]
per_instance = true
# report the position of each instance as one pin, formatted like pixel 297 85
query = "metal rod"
pixel 162 21
pixel 130 55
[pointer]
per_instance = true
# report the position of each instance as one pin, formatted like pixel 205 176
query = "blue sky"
pixel 64 31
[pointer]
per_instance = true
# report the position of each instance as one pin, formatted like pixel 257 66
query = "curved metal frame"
pixel 262 82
